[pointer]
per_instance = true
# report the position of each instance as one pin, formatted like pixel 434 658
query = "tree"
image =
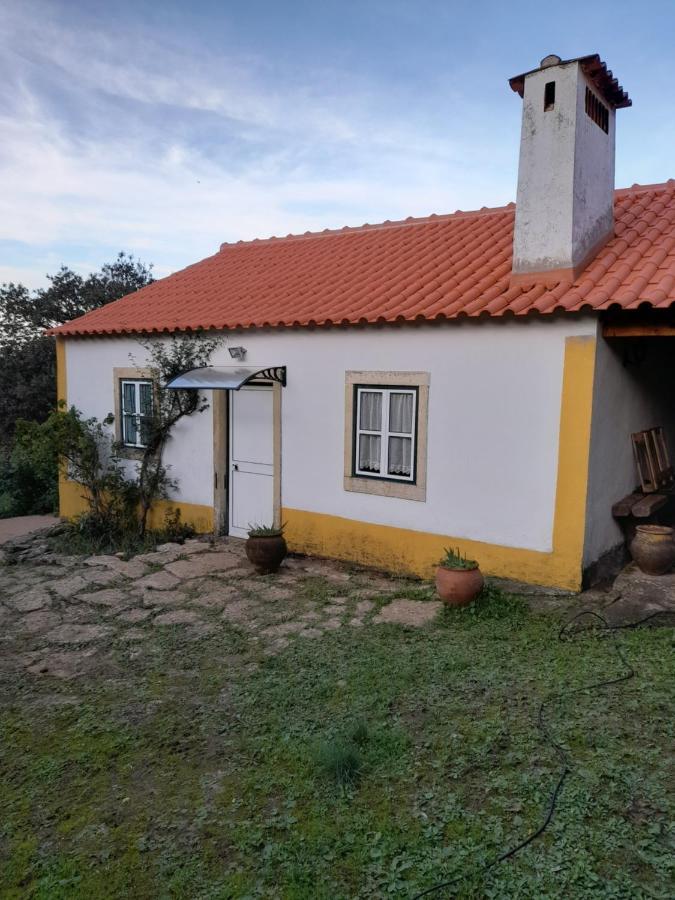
pixel 27 356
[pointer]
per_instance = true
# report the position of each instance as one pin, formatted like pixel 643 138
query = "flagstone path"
pixel 62 615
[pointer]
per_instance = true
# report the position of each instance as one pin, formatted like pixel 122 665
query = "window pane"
pixel 145 389
pixel 130 430
pixel 371 411
pixel 146 426
pixel 400 452
pixel 369 452
pixel 401 413
pixel 129 397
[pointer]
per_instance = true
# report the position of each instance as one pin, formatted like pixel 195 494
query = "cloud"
pixel 121 139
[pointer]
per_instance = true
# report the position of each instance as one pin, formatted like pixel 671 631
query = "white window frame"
pixel 136 382
pixel 385 434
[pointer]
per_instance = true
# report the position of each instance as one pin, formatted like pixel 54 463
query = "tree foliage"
pixel 27 356
pixel 29 474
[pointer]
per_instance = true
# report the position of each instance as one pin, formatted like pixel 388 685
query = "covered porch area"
pixel 631 479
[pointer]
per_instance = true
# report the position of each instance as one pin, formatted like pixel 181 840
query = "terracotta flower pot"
pixel 266 553
pixel 458 587
pixel 653 549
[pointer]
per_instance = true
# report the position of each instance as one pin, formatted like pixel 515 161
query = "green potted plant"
pixel 458 579
pixel 266 547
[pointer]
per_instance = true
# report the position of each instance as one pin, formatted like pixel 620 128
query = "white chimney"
pixel 565 200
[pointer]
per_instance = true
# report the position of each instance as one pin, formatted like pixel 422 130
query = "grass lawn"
pixel 371 762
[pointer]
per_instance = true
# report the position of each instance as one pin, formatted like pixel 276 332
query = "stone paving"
pixel 64 615
pixel 61 615
pixel 21 526
pixel 634 596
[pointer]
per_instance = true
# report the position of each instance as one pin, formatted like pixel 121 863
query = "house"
pixel 467 380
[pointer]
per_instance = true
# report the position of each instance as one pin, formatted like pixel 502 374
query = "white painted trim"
pixel 137 415
pixel 384 434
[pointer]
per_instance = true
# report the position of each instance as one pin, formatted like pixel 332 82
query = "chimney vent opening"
pixel 549 95
pixel 597 111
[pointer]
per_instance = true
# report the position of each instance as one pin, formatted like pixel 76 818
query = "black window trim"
pixel 385 387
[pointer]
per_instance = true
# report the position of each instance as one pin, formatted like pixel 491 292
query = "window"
pixel 136 408
pixel 385 449
pixel 385 433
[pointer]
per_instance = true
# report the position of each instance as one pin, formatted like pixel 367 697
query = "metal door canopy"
pixel 227 378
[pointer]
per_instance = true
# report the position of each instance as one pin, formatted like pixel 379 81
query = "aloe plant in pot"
pixel 266 547
pixel 458 579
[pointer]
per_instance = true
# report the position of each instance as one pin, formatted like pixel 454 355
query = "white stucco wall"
pixel 544 201
pixel 594 152
pixel 494 409
pixel 626 398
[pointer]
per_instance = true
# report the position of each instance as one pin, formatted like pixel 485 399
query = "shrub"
pixel 265 530
pixel 339 761
pixel 168 359
pixel 173 529
pixel 359 733
pixel 454 560
pixel 29 473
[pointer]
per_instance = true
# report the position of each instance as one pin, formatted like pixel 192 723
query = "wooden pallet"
pixel 652 460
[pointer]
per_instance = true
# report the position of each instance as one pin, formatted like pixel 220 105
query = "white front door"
pixel 251 459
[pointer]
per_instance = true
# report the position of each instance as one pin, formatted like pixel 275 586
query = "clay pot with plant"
pixel 653 549
pixel 266 548
pixel 458 579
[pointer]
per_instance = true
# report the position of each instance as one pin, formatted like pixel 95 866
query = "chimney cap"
pixel 551 60
pixel 595 70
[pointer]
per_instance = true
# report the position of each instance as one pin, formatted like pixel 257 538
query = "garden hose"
pixel 560 751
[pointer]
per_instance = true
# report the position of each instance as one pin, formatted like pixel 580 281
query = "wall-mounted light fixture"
pixel 238 353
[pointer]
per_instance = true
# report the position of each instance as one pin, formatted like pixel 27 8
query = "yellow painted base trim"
pixel 72 503
pixel 405 551
pixel 417 552
pixel 200 517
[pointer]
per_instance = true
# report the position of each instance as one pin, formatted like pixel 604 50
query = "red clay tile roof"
pixel 419 269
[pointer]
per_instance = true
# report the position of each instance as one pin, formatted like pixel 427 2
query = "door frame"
pixel 221 457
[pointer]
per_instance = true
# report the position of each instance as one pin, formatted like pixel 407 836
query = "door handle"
pixel 235 467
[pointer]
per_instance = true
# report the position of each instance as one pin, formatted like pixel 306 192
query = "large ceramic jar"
pixel 458 587
pixel 653 549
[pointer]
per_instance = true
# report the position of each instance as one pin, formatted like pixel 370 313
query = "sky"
pixel 165 128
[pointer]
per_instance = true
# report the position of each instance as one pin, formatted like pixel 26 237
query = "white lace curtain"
pixel 398 448
pixel 371 411
pixel 369 452
pixel 399 455
pixel 401 413
pixel 401 420
pixel 370 419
